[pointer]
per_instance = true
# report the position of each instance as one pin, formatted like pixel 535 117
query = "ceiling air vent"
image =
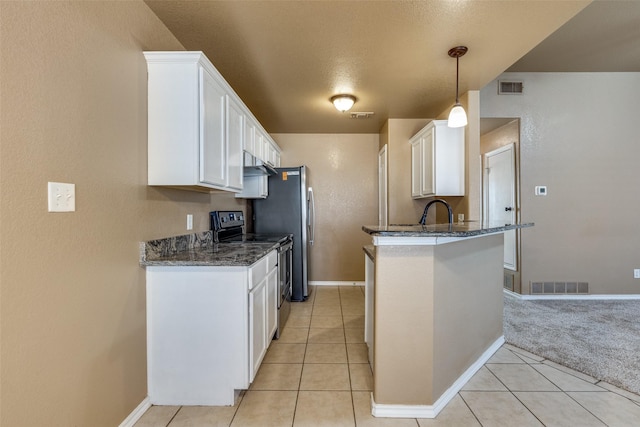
pixel 510 87
pixel 361 114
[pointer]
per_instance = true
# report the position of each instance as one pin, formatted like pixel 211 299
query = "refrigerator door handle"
pixel 311 217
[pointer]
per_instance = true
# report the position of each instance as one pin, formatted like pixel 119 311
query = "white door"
pixel 500 197
pixel 382 187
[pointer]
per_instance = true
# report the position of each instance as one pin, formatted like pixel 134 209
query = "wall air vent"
pixel 559 288
pixel 510 87
pixel 361 114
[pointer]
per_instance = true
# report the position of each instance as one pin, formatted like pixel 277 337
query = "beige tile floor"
pixel 317 375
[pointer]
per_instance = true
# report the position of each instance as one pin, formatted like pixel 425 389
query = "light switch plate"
pixel 62 197
pixel 541 190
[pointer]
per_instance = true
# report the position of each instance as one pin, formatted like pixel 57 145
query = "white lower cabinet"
pixel 208 329
pixel 257 327
pixel 369 281
pixel 272 303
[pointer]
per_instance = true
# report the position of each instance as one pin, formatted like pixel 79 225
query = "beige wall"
pixel 424 296
pixel 579 137
pixel 396 134
pixel 73 109
pixel 471 204
pixel 344 175
pixel 499 137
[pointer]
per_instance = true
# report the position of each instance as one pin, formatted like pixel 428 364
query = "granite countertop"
pixel 457 229
pixel 199 249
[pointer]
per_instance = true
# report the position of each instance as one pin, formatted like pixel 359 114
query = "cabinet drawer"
pixel 272 260
pixel 259 270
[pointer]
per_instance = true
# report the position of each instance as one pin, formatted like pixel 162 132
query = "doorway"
pixel 499 147
pixel 500 196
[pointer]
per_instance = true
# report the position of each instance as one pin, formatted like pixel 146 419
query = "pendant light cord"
pixel 457 78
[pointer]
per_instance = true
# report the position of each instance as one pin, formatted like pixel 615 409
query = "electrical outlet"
pixel 636 273
pixel 61 197
pixel 189 222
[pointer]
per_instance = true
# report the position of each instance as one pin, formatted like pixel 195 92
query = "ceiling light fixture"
pixel 343 102
pixel 457 115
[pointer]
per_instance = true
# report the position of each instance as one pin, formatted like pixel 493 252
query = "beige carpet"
pixel 600 338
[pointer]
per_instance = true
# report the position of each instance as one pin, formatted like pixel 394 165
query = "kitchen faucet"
pixel 423 220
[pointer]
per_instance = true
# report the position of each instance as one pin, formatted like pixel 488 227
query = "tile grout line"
pixel 353 406
pixel 306 346
pixel 560 388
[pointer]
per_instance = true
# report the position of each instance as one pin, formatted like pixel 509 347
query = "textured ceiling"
pixel 287 58
pixel 604 37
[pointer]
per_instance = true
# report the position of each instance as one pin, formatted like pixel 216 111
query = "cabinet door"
pixel 427 186
pixel 272 304
pixel 369 282
pixel 257 327
pixel 258 145
pixel 235 143
pixel 213 148
pixel 271 158
pixel 262 146
pixel 416 168
pixel 249 136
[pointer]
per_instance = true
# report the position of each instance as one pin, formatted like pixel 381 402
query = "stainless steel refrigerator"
pixel 289 208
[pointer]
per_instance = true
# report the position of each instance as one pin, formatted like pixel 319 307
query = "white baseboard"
pixel 431 411
pixel 328 283
pixel 137 413
pixel 573 297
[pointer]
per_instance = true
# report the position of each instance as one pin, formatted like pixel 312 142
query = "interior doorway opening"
pixel 500 156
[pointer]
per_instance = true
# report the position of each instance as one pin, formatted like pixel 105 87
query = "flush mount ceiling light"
pixel 457 116
pixel 343 102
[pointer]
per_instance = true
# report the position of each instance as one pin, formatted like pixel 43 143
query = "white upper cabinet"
pixel 235 139
pixel 273 157
pixel 210 141
pixel 198 127
pixel 437 161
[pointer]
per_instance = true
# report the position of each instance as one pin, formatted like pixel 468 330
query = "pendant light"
pixel 457 115
pixel 343 102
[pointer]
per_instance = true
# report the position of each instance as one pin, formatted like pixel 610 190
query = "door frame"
pixel 511 147
pixel 383 189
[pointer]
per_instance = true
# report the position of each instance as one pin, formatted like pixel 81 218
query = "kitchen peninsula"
pixel 435 315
